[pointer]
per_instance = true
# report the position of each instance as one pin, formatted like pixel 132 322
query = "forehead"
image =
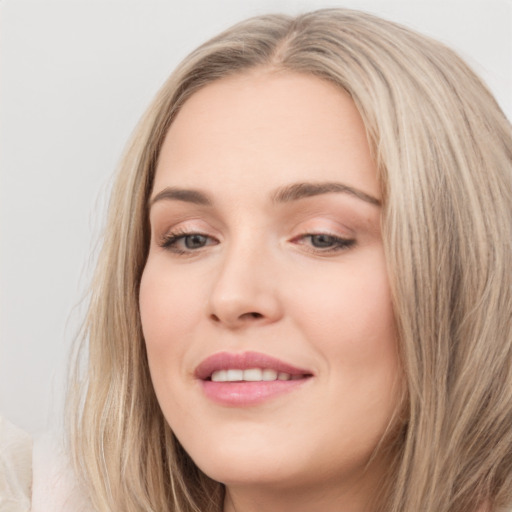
pixel 267 127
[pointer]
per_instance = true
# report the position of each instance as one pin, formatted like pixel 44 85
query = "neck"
pixel 354 496
pixel 256 502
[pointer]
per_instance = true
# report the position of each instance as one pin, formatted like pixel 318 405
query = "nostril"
pixel 252 315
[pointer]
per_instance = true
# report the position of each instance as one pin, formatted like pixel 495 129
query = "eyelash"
pixel 339 243
pixel 171 240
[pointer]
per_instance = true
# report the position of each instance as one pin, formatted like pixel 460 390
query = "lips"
pixel 248 378
pixel 244 361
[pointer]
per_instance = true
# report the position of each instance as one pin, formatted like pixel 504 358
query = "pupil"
pixel 321 240
pixel 195 241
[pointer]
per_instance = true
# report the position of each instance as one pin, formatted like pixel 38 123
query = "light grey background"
pixel 75 77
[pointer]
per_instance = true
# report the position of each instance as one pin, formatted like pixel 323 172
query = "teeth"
pixel 251 375
pixel 269 374
pixel 220 376
pixel 232 375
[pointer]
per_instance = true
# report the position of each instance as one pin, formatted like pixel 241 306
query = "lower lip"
pixel 245 394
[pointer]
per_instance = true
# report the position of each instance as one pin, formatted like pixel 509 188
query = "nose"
pixel 245 290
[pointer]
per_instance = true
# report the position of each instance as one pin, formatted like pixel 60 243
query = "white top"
pixel 38 473
pixel 15 468
pixel 54 487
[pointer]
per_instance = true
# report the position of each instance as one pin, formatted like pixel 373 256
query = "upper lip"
pixel 244 361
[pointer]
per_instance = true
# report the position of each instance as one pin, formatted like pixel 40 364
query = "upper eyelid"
pixel 325 226
pixel 183 212
pixel 183 225
pixel 300 223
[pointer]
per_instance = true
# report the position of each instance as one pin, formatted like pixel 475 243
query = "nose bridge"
pixel 244 290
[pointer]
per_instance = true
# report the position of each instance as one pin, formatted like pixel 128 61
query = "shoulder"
pixel 15 468
pixel 55 487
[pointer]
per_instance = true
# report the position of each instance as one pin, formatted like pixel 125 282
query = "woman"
pixel 304 296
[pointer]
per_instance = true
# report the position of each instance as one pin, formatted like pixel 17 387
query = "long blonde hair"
pixel 444 154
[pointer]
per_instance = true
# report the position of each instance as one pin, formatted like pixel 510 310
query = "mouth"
pixel 248 378
pixel 252 375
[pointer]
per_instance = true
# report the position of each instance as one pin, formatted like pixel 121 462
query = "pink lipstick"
pixel 247 378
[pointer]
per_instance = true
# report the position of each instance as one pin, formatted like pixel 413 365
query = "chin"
pixel 267 473
pixel 248 463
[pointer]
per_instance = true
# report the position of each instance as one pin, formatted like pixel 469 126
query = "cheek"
pixel 349 320
pixel 350 312
pixel 167 304
pixel 169 307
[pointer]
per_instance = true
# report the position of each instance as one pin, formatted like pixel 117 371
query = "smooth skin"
pixel 239 265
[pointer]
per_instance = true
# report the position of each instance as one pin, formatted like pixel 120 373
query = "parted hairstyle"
pixel 443 150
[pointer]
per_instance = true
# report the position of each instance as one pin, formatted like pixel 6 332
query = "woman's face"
pixel 265 301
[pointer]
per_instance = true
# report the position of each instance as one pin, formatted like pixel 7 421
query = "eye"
pixel 324 242
pixel 195 241
pixel 183 242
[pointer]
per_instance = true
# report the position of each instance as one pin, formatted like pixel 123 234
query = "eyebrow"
pixel 182 194
pixel 284 194
pixel 302 190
